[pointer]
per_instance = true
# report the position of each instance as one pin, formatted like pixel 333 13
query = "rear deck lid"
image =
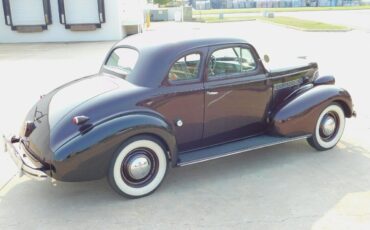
pixel 69 97
pixel 51 109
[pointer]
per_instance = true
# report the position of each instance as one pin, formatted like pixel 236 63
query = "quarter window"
pixel 185 68
pixel 229 61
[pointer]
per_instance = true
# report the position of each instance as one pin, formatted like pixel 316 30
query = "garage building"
pixel 68 20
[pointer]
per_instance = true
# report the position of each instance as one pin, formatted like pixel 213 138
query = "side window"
pixel 247 61
pixel 229 61
pixel 185 68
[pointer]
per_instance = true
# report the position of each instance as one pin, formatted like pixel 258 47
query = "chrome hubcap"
pixel 139 166
pixel 328 126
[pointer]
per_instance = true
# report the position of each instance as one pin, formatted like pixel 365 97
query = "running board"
pixel 233 148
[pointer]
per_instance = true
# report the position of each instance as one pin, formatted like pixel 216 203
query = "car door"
pixel 182 98
pixel 237 94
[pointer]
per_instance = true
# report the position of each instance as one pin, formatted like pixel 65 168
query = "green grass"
pixel 296 23
pixel 289 9
pixel 304 24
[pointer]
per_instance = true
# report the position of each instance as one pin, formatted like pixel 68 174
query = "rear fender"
pixel 87 156
pixel 299 113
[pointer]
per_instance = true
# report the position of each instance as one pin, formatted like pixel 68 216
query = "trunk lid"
pixel 51 108
pixel 66 98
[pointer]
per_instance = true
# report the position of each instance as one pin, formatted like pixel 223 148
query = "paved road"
pixel 290 186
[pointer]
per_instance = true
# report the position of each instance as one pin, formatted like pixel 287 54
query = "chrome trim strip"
pixel 288 84
pixel 243 150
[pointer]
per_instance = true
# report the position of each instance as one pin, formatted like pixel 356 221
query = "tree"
pixel 161 2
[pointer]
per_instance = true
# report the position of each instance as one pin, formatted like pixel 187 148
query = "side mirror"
pixel 266 58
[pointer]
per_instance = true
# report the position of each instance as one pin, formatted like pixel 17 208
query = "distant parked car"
pixel 163 102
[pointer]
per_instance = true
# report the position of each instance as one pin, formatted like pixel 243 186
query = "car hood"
pixel 280 65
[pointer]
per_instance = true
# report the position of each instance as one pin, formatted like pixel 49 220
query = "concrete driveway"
pixel 290 186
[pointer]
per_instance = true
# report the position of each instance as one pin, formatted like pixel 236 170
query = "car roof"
pixel 181 41
pixel 157 52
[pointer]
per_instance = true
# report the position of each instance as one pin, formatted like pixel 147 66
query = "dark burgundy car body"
pixel 278 103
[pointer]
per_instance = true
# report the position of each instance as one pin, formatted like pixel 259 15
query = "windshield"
pixel 122 60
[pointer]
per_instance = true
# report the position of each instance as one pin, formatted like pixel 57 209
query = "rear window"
pixel 122 60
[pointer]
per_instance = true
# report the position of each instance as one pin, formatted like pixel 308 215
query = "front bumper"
pixel 24 161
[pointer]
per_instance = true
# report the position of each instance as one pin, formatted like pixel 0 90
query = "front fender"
pixel 298 115
pixel 87 156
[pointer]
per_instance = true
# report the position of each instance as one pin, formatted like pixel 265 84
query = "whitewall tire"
pixel 329 128
pixel 138 168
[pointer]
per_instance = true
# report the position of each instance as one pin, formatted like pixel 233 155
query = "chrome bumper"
pixel 25 163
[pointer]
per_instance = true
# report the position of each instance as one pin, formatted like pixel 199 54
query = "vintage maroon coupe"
pixel 159 102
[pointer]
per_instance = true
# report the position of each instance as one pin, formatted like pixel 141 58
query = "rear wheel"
pixel 329 128
pixel 138 168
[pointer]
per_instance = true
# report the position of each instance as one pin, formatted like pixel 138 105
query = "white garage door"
pixel 81 11
pixel 27 12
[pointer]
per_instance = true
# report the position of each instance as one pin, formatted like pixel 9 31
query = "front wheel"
pixel 329 128
pixel 138 168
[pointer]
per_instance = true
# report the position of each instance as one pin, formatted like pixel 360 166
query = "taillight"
pixel 79 120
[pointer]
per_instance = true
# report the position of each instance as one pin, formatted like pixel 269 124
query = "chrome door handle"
pixel 212 92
